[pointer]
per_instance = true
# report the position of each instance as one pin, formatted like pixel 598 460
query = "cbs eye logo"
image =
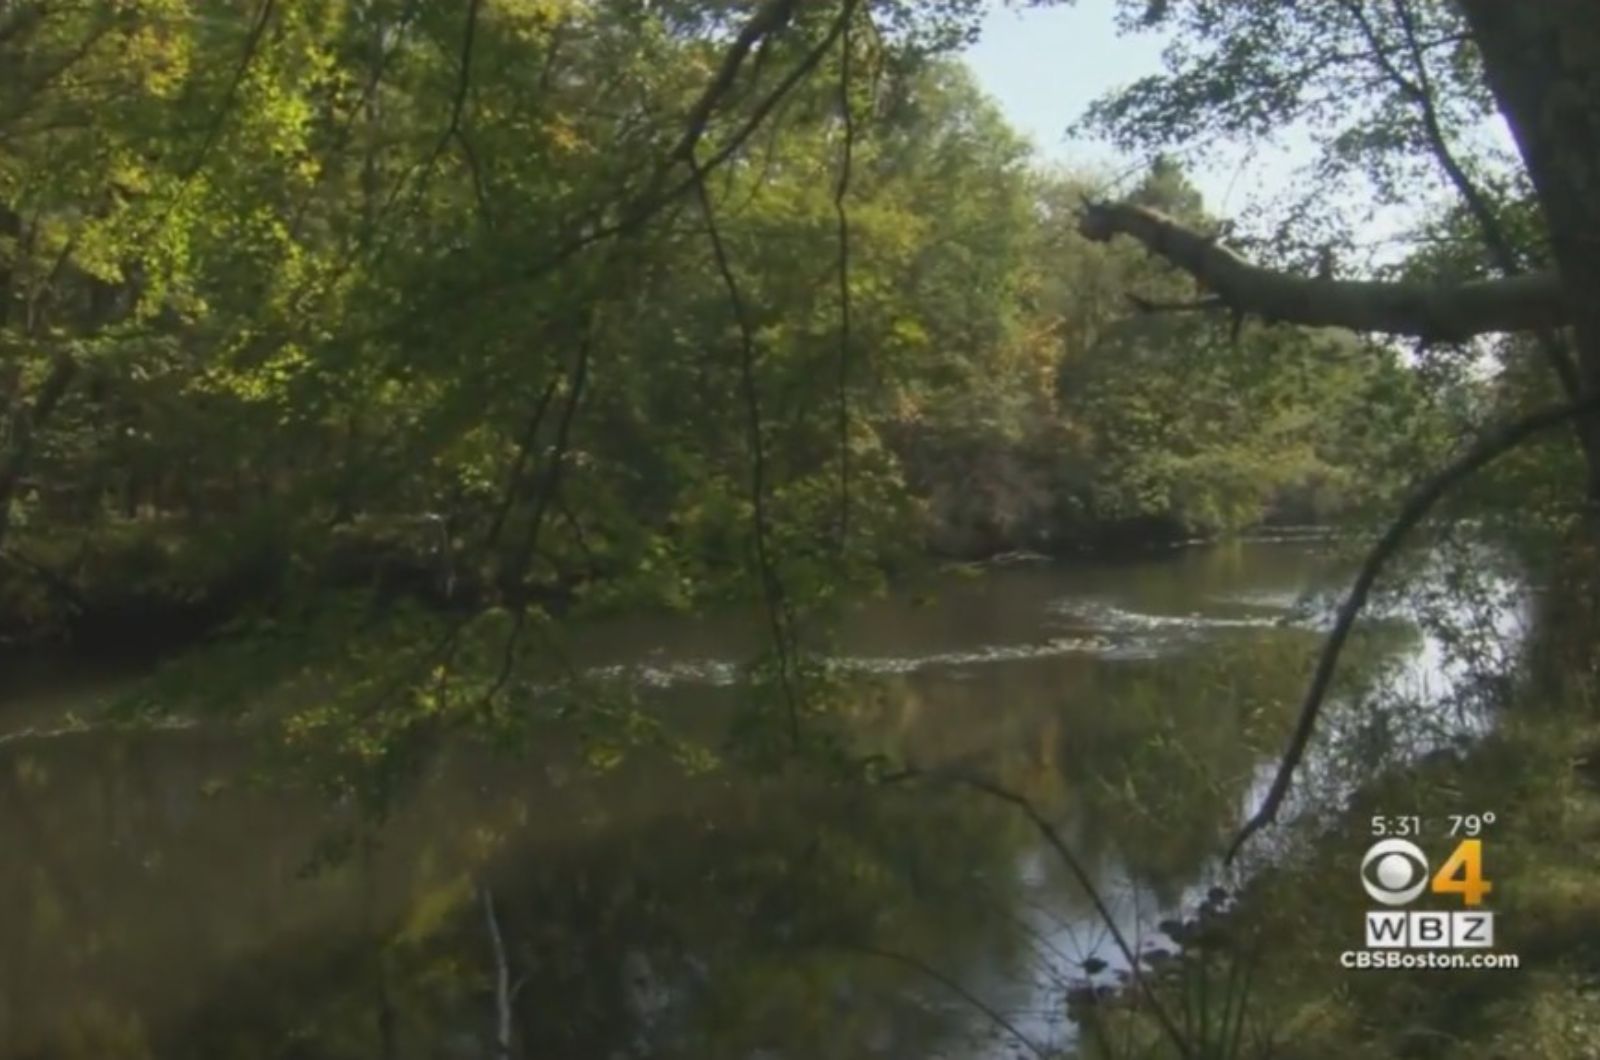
pixel 1395 872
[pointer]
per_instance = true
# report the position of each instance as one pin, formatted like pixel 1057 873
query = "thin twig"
pixel 452 129
pixel 365 104
pixel 771 584
pixel 551 485
pixel 530 436
pixel 918 964
pixel 1081 875
pixel 589 229
pixel 251 46
pixel 647 205
pixel 842 189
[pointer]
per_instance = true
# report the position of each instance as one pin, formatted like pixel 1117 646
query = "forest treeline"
pixel 386 293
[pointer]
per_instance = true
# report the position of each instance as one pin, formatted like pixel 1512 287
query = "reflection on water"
pixel 163 901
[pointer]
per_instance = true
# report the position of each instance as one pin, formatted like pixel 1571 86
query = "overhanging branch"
pixel 1438 312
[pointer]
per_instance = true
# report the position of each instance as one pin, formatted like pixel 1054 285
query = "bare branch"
pixel 1488 447
pixel 1440 312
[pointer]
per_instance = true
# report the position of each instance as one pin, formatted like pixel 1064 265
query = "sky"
pixel 1046 65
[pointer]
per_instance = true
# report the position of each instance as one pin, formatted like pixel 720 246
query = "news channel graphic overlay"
pixel 1427 917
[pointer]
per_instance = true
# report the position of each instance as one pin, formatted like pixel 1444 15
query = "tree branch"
pixel 840 191
pixel 515 479
pixel 452 129
pixel 921 966
pixel 252 45
pixel 1081 874
pixel 1438 312
pixel 778 615
pixel 53 580
pixel 768 20
pixel 1420 91
pixel 631 215
pixel 1488 447
pixel 957 772
pixel 550 486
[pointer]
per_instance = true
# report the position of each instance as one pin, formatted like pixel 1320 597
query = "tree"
pixel 1385 82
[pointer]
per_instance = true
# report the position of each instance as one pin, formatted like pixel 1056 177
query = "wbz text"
pixel 1398 930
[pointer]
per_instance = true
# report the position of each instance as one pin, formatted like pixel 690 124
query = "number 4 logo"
pixel 1463 874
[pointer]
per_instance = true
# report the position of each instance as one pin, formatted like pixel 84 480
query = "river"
pixel 164 896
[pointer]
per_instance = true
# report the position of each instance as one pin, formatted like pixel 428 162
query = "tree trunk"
pixel 1542 60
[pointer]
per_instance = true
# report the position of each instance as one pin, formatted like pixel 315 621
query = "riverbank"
pixel 142 588
pixel 145 587
pixel 1276 950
